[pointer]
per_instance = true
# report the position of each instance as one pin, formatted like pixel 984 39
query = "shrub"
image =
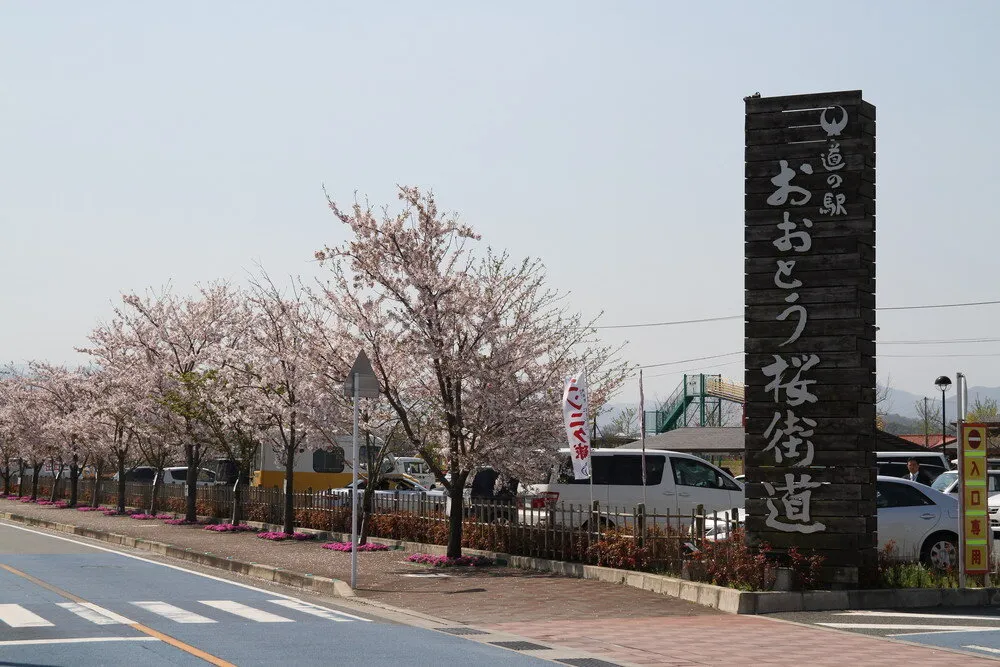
pixel 229 528
pixel 734 563
pixel 893 573
pixel 346 546
pixel 445 561
pixel 619 549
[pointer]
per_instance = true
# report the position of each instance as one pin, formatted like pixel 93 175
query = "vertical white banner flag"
pixel 575 420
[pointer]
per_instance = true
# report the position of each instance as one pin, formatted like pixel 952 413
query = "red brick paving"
pixel 730 640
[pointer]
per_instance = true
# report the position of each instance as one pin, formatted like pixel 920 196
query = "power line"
pixel 740 317
pixel 686 361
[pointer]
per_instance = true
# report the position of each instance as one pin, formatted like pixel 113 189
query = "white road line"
pixel 245 611
pixel 8 524
pixel 903 614
pixel 328 614
pixel 906 626
pixel 983 648
pixel 172 613
pixel 76 640
pixel 17 616
pixel 94 614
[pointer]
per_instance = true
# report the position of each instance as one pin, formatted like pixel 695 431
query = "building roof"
pixel 724 440
pixel 932 440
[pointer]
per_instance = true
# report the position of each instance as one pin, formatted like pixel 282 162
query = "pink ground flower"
pixel 229 528
pixel 180 522
pixel 141 516
pixel 346 546
pixel 278 536
pixel 88 508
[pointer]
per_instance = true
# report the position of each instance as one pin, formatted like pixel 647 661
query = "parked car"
pixel 172 475
pixel 676 484
pixel 929 472
pixel 924 457
pixel 921 521
pixel 947 482
pixel 393 486
pixel 415 467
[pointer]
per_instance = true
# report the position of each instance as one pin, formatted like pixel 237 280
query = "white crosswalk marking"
pixel 983 648
pixel 908 614
pixel 95 614
pixel 316 610
pixel 246 612
pixel 907 626
pixel 172 613
pixel 17 616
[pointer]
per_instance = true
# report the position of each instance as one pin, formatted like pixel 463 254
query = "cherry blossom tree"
pixel 471 349
pixel 174 337
pixel 283 373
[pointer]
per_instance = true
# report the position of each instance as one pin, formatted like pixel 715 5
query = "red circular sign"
pixel 975 439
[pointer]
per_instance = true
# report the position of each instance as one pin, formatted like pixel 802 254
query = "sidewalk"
pixel 617 623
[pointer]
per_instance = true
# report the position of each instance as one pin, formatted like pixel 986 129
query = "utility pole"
pixel 927 426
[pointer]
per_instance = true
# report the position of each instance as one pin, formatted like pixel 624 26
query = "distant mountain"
pixel 903 403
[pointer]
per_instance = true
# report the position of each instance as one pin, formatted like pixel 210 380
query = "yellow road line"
pixel 167 639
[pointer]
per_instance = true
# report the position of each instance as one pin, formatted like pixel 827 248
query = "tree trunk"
pixel 191 503
pixel 237 500
pixel 74 480
pixel 367 500
pixel 121 485
pixel 96 499
pixel 154 498
pixel 20 478
pixel 55 481
pixel 6 480
pixel 457 495
pixel 35 472
pixel 289 522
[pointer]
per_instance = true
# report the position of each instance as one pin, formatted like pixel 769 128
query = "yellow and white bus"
pixel 329 466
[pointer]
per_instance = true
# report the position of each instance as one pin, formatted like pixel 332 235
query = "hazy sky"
pixel 142 143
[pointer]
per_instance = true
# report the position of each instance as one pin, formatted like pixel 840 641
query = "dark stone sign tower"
pixel 810 328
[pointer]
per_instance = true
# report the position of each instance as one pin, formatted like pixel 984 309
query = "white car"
pixel 394 488
pixel 947 482
pixel 921 521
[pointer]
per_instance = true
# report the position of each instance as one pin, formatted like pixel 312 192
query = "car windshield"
pixel 944 480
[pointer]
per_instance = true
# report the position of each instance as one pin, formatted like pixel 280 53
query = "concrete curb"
pixel 730 600
pixel 307 582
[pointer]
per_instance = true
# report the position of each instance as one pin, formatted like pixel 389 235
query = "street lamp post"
pixel 943 383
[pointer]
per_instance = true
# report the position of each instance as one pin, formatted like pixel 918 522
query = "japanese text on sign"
pixel 789 436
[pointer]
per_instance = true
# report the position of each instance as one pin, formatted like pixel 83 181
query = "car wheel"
pixel 940 551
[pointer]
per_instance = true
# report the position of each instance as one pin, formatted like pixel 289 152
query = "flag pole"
pixel 642 438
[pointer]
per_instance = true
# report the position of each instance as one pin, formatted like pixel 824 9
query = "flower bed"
pixel 45 503
pixel 110 511
pixel 445 561
pixel 142 516
pixel 229 528
pixel 346 546
pixel 181 522
pixel 26 499
pixel 278 537
pixel 88 508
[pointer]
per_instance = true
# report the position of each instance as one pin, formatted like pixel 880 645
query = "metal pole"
pixel 354 487
pixel 959 378
pixel 944 423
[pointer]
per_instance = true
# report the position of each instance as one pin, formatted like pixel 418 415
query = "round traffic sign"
pixel 975 439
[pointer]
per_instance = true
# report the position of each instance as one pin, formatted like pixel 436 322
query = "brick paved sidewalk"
pixel 618 623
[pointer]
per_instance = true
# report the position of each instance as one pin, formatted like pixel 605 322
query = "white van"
pixel 676 483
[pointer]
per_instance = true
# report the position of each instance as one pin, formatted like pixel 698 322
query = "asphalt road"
pixel 974 630
pixel 63 602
